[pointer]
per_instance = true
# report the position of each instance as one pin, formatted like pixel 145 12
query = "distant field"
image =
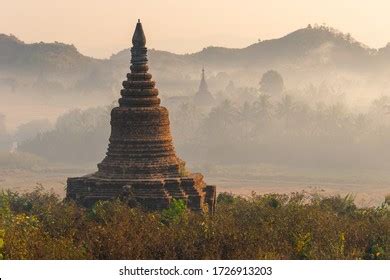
pixel 25 181
pixel 26 108
pixel 369 186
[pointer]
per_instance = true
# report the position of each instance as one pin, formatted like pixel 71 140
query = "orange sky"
pixel 101 27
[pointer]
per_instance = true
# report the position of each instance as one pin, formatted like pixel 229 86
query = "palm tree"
pixel 337 115
pixel 185 121
pixel 221 118
pixel 263 106
pixel 381 105
pixel 361 123
pixel 285 108
pixel 247 114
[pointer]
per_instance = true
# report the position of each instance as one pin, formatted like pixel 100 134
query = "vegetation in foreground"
pixel 39 225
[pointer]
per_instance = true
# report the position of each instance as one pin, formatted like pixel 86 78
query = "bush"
pixel 39 225
pixel 175 212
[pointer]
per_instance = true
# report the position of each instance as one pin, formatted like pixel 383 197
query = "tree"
pixel 220 121
pixel 79 136
pixel 185 122
pixel 264 106
pixel 285 108
pixel 271 83
pixel 226 112
pixel 3 129
pixel 246 114
pixel 31 129
pixel 5 138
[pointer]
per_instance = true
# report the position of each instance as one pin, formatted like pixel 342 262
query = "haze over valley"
pixel 309 110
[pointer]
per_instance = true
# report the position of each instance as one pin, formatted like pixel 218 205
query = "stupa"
pixel 141 164
pixel 203 96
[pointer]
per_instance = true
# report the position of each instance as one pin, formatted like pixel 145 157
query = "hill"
pixel 15 55
pixel 310 51
pixel 295 46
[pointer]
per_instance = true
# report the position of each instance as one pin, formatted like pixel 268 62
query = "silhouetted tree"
pixel 247 115
pixel 285 108
pixel 220 120
pixel 271 83
pixel 5 138
pixel 78 136
pixel 30 129
pixel 264 106
pixel 2 124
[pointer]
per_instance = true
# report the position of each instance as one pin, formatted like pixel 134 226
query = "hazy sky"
pixel 102 27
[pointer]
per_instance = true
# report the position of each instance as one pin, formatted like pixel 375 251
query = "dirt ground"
pixel 369 189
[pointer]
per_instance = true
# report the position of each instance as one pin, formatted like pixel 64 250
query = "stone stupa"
pixel 203 96
pixel 141 164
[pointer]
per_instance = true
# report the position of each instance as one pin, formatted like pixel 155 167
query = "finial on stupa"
pixel 139 51
pixel 139 39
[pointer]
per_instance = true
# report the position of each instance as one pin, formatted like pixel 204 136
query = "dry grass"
pixel 39 225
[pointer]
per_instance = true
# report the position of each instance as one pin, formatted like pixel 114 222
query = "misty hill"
pixel 49 68
pixel 311 53
pixel 311 50
pixel 330 45
pixel 15 55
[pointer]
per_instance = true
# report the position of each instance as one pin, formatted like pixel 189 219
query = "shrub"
pixel 174 213
pixel 2 233
pixel 39 225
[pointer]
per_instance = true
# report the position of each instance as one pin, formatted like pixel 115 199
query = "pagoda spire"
pixel 139 50
pixel 203 95
pixel 203 87
pixel 139 89
pixel 139 39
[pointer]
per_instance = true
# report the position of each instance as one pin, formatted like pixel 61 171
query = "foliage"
pixel 39 225
pixel 271 83
pixel 2 233
pixel 175 212
pixel 77 135
pixel 310 127
pixel 289 130
pixel 225 198
pixel 30 129
pixel 387 199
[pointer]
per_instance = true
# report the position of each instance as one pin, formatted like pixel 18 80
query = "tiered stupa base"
pixel 150 194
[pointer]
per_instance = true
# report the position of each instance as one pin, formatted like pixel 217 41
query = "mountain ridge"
pixel 323 29
pixel 311 51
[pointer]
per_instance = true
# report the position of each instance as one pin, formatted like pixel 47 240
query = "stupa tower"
pixel 203 96
pixel 141 162
pixel 141 142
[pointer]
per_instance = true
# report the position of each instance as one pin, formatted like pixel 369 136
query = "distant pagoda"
pixel 141 164
pixel 203 96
